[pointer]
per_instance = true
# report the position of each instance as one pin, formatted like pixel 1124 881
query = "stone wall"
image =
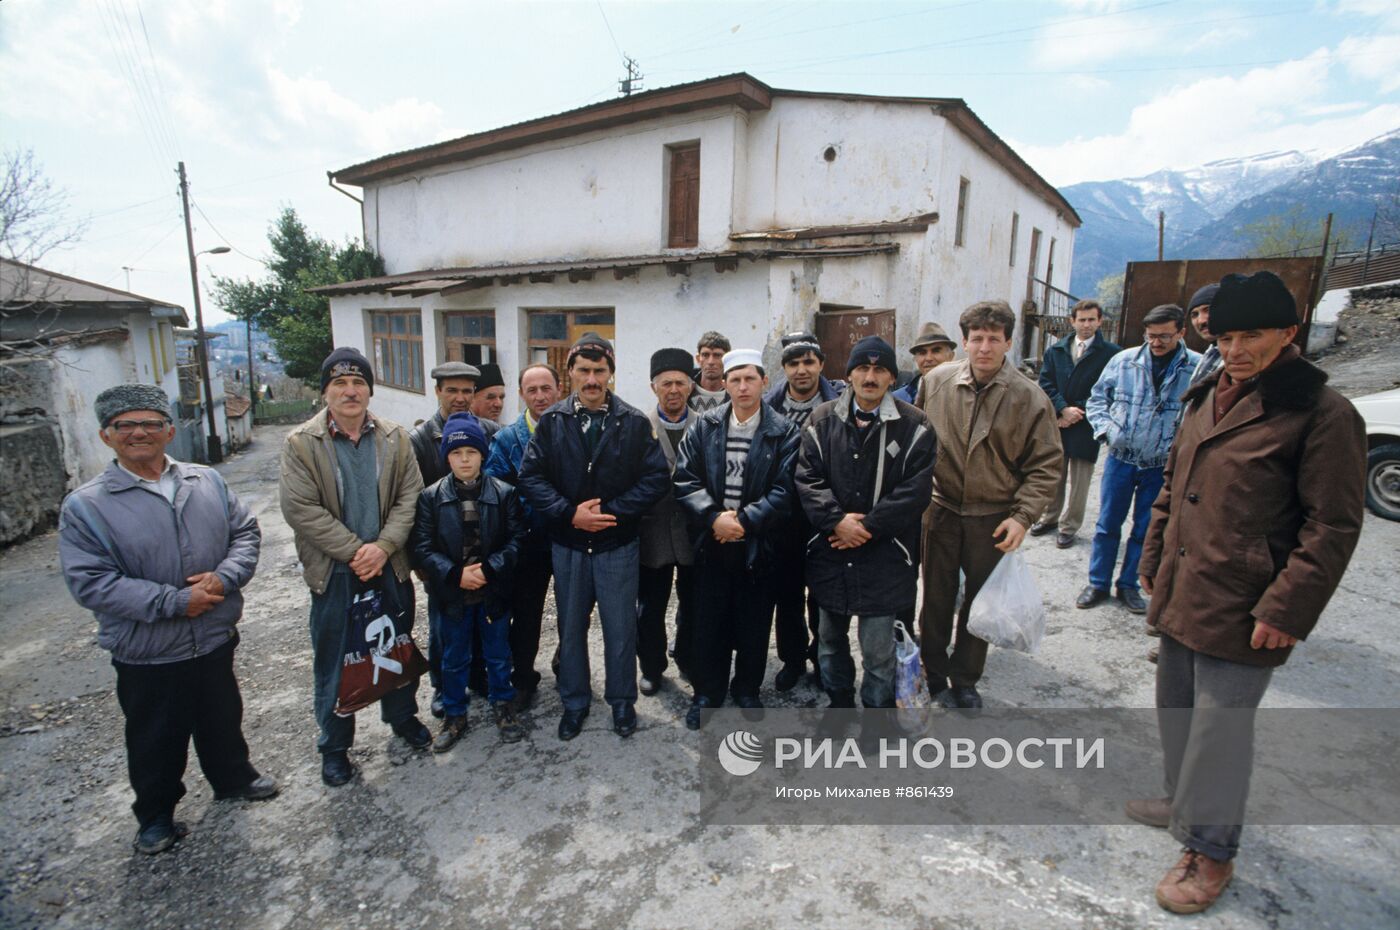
pixel 31 450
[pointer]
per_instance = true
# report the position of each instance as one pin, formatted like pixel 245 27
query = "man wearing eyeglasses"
pixel 160 551
pixel 1134 410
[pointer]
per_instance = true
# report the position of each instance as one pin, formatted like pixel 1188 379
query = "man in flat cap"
pixel 863 478
pixel 666 547
pixel 932 347
pixel 593 470
pixel 1260 509
pixel 349 491
pixel 734 475
pixel 167 602
pixel 801 390
pixel 1067 376
pixel 454 383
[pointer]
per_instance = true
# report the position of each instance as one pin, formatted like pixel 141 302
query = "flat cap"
pixel 454 370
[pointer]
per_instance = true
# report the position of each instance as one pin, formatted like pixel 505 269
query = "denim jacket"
pixel 1126 410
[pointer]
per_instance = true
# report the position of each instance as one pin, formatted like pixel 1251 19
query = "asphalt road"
pixel 604 833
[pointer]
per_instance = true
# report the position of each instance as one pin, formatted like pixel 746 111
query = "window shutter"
pixel 683 210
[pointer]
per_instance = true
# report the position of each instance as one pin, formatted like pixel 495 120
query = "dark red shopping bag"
pixel 380 654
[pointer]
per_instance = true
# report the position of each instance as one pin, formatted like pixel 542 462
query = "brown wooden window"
pixel 470 337
pixel 964 186
pixel 683 202
pixel 1015 232
pixel 398 348
pixel 1035 259
pixel 552 332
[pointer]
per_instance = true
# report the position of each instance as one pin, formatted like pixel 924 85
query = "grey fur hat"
pixel 123 398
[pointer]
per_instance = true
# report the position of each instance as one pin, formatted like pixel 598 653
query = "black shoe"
pixel 649 684
pixel 966 698
pixel 524 699
pixel 453 729
pixel 436 707
pixel 842 699
pixel 1152 655
pixel 788 676
pixel 1064 540
pixel 625 720
pixel 692 716
pixel 510 729
pixel 336 768
pixel 1090 597
pixel 1132 599
pixel 159 835
pixel 1040 529
pixel 946 699
pixel 413 732
pixel 571 723
pixel 259 789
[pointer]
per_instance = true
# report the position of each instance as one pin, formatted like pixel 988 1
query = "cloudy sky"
pixel 261 97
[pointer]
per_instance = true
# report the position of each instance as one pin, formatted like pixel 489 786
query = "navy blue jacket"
pixel 435 543
pixel 628 473
pixel 1069 385
pixel 768 496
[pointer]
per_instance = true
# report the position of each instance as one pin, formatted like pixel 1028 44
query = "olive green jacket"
pixel 310 492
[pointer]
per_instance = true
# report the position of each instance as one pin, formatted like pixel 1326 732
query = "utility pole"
pixel 633 81
pixel 1161 232
pixel 215 445
pixel 128 269
pixel 252 378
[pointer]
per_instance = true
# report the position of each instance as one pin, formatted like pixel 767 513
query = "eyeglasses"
pixel 127 427
pixel 1160 338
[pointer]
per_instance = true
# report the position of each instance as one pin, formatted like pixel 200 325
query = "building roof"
pixel 29 284
pixel 455 280
pixel 235 405
pixel 740 89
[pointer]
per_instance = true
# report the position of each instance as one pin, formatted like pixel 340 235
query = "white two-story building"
pixel 720 205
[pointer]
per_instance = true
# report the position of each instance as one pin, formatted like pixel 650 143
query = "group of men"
pixel 808 500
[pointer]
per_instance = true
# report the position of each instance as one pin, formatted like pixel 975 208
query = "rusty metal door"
pixel 838 331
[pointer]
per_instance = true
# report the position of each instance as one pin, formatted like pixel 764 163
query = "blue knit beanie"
pixel 463 429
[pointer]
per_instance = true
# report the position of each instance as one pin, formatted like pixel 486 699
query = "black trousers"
pixel 797 617
pixel 531 584
pixel 653 595
pixel 165 705
pixel 734 620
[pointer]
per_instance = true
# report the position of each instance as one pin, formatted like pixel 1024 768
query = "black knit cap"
pixel 490 376
pixel 592 342
pixel 346 361
pixel 1205 295
pixel 1260 301
pixel 672 360
pixel 872 350
pixel 796 345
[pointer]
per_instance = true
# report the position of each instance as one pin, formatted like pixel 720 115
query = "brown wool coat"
pixel 1258 515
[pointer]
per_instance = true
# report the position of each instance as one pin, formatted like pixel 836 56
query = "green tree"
pixel 297 322
pixel 1109 292
pixel 1290 234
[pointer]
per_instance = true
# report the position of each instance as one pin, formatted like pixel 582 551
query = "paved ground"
pixel 604 833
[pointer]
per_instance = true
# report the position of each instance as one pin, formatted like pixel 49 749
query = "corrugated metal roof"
pixel 26 284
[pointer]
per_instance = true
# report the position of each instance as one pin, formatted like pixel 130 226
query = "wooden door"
pixel 838 331
pixel 684 204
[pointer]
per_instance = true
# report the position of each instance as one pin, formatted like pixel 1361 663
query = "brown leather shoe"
pixel 1193 884
pixel 1154 812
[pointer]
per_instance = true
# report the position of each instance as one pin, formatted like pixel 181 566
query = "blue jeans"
pixel 455 633
pixel 1122 486
pixel 876 636
pixel 608 579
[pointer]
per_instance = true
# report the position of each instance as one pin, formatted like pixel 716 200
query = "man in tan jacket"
pixel 999 460
pixel 349 486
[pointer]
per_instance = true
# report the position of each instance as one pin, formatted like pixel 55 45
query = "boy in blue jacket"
pixel 466 539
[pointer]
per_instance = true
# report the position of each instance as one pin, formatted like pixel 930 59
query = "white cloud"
pixel 311 103
pixel 1265 109
pixel 1373 58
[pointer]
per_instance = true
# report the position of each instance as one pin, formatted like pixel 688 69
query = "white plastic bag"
pixel 1008 611
pixel 910 689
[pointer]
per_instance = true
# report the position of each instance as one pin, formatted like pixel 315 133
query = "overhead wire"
pixel 200 210
pixel 139 72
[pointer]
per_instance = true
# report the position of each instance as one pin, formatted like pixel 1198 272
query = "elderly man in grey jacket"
pixel 159 551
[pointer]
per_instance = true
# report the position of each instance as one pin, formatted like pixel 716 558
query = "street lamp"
pixel 215 444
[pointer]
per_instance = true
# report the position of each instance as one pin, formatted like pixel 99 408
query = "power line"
pixel 140 72
pixel 610 32
pixel 198 209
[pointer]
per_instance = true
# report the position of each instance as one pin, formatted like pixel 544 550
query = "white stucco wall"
pixel 80 374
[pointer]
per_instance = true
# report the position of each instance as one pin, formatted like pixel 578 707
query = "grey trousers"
pixel 1205 717
pixel 608 579
pixel 876 635
pixel 1071 496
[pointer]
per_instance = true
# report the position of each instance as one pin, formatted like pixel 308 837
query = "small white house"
pixel 724 204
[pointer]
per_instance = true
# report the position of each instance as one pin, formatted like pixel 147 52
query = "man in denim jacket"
pixel 1134 409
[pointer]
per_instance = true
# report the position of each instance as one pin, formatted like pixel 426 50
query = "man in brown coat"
pixel 1256 521
pixel 998 463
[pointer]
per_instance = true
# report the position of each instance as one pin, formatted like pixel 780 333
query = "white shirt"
pixel 165 485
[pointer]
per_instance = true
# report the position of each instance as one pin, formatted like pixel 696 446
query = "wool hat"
pixel 1260 301
pixel 1204 295
pixel 796 345
pixel 346 361
pixel 672 360
pixel 124 398
pixel 741 357
pixel 931 334
pixel 594 343
pixel 455 370
pixel 462 429
pixel 490 376
pixel 872 350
